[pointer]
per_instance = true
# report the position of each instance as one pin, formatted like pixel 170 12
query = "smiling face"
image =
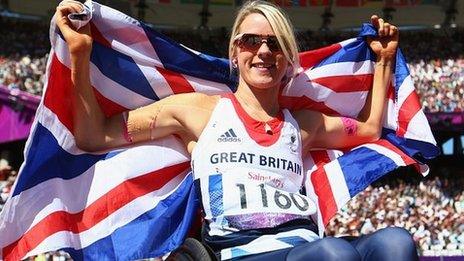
pixel 259 67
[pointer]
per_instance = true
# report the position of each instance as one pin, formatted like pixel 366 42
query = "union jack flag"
pixel 139 202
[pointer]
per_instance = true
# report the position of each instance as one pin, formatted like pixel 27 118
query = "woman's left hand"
pixel 384 46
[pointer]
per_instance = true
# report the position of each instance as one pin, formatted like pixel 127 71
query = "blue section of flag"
pixel 401 67
pixel 362 166
pixel 401 70
pixel 181 60
pixel 111 62
pixel 113 153
pixel 419 150
pixel 216 195
pixel 142 237
pixel 352 52
pixel 367 30
pixel 46 160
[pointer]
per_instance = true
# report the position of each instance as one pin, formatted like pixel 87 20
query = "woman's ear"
pixel 234 62
pixel 234 66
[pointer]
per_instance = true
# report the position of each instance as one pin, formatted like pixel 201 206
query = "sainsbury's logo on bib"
pixel 229 136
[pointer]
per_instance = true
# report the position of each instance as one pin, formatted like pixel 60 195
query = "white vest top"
pixel 249 178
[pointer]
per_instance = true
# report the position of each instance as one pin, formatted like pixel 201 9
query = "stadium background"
pixel 432 37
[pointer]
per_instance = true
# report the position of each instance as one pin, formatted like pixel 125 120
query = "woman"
pixel 247 151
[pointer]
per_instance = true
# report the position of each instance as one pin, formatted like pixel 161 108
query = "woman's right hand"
pixel 79 41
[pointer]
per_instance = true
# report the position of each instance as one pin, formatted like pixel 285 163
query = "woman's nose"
pixel 264 49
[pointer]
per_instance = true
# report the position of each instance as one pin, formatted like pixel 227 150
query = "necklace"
pixel 268 129
pixel 257 116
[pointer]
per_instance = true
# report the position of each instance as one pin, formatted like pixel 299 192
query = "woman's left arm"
pixel 340 132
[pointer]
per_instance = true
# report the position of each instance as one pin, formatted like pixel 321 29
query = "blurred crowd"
pixel 23 73
pixel 431 209
pixel 7 178
pixel 436 58
pixel 23 54
pixel 436 63
pixel 440 83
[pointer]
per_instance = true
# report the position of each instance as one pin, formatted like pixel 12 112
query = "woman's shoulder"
pixel 194 99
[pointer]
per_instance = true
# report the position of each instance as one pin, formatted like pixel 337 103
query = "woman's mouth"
pixel 264 67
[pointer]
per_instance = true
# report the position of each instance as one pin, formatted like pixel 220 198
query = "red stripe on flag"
pixel 346 83
pixel 176 81
pixel 81 221
pixel 58 97
pixel 320 157
pixel 310 58
pixel 409 108
pixel 407 160
pixel 391 92
pixel 322 188
pixel 127 35
pixel 108 106
pixel 303 102
pixel 98 37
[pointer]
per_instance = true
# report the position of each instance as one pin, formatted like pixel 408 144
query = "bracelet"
pixel 385 64
pixel 125 132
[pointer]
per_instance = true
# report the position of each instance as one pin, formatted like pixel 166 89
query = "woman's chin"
pixel 263 84
pixel 263 81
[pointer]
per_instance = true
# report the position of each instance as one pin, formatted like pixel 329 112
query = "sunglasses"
pixel 254 41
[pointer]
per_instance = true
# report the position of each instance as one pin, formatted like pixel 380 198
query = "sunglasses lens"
pixel 253 42
pixel 273 44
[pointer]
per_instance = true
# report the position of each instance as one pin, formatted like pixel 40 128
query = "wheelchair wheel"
pixel 191 250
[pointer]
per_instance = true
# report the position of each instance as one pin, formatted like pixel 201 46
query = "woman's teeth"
pixel 261 65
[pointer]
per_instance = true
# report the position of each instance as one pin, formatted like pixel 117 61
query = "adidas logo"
pixel 229 136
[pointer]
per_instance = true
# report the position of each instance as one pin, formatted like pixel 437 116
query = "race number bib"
pixel 252 204
pixel 245 198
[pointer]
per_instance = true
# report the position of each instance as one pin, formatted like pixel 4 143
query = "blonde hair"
pixel 280 24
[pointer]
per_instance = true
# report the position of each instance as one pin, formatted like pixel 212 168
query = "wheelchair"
pixel 192 250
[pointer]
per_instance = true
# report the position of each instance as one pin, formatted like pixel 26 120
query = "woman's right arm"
pixel 92 130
